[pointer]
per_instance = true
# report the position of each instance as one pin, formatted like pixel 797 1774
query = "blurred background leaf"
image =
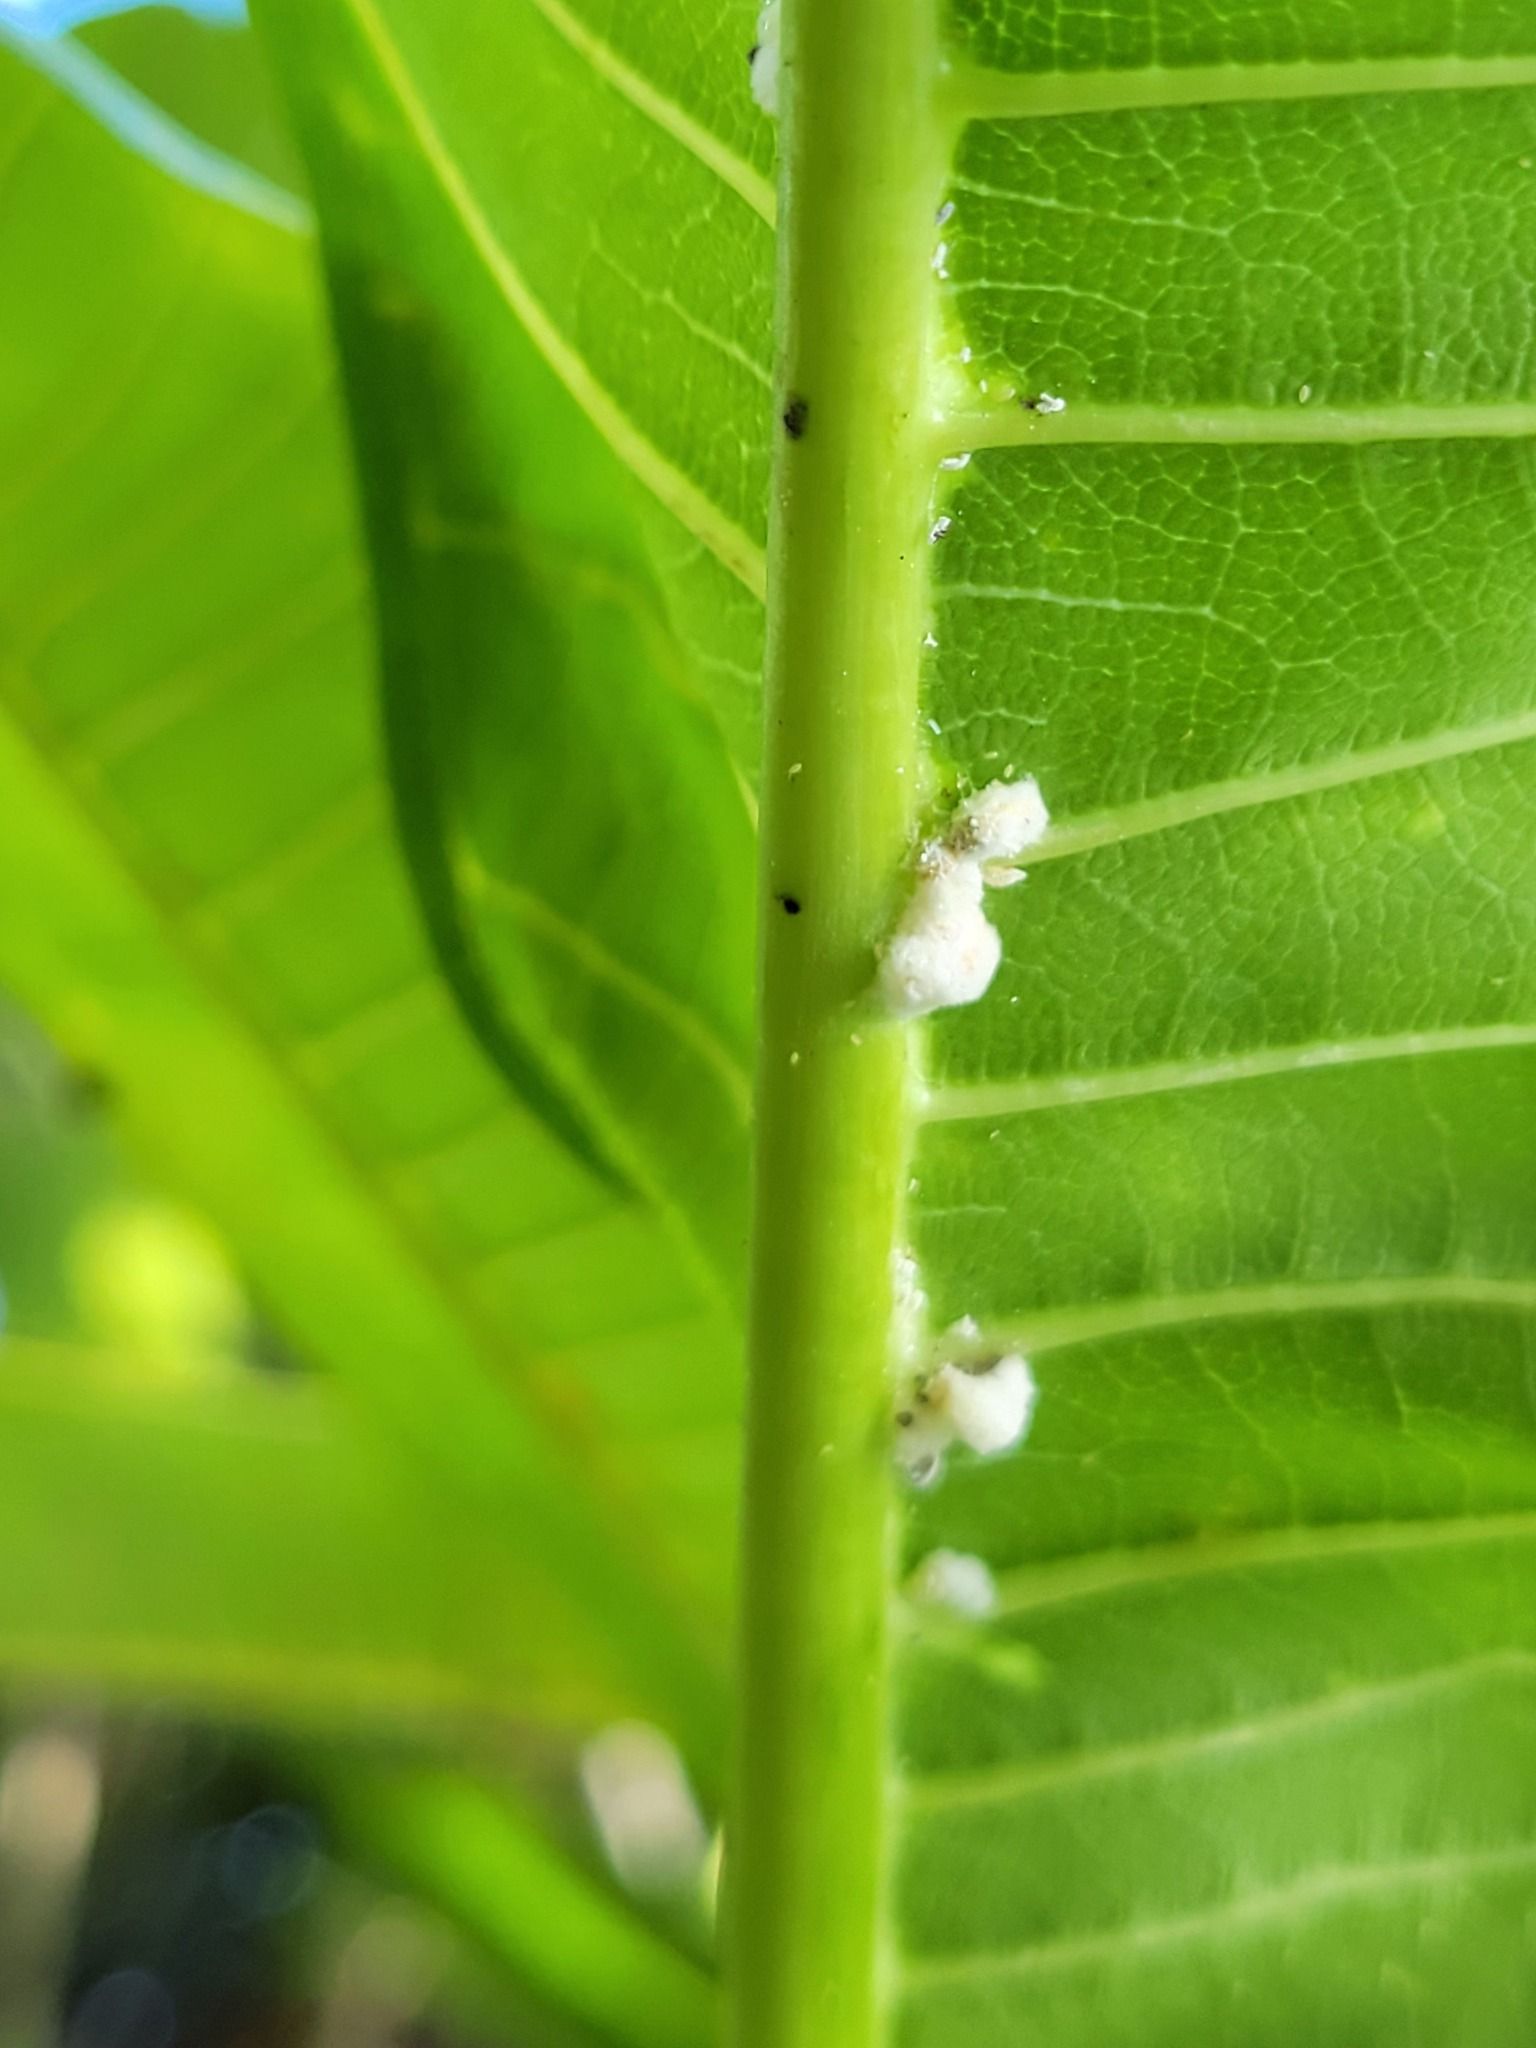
pixel 217 922
pixel 160 629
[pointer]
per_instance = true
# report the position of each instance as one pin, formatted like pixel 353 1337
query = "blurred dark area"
pixel 162 1884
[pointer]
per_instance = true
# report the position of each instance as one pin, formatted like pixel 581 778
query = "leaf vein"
pixel 1055 1330
pixel 1153 1566
pixel 974 93
pixel 596 961
pixel 1324 1886
pixel 1022 1095
pixel 1216 799
pixel 1004 1783
pixel 962 426
pixel 744 179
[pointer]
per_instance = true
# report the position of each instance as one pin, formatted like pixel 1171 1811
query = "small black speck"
pixel 905 1419
pixel 796 413
pixel 791 905
pixel 752 53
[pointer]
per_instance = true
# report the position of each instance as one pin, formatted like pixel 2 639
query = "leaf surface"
pixel 1238 1145
pixel 542 511
pixel 1239 1142
pixel 218 919
pixel 238 1546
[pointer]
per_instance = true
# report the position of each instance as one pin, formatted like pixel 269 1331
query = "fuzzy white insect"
pixel 765 58
pixel 958 1581
pixel 945 950
pixel 997 824
pixel 991 1410
pixel 988 1408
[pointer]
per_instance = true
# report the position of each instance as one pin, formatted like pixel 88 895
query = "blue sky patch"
pixel 58 17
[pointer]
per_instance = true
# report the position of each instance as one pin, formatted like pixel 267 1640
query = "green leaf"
pixel 1404 284
pixel 1142 46
pixel 236 1545
pixel 581 838
pixel 1182 463
pixel 1239 1140
pixel 56 1162
pixel 1239 1143
pixel 207 76
pixel 205 902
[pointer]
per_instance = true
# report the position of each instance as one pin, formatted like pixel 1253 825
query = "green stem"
pixel 863 163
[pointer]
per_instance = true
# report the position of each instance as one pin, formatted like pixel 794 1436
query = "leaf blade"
pixel 237 1547
pixel 572 814
pixel 1249 1180
pixel 251 1050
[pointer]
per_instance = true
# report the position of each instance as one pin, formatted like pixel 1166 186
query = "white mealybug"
pixel 958 1581
pixel 945 950
pixel 997 824
pixel 991 1410
pixel 988 1408
pixel 764 58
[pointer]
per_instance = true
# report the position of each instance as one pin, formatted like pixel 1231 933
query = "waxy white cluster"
pixel 765 58
pixel 986 1407
pixel 945 950
pixel 955 1580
